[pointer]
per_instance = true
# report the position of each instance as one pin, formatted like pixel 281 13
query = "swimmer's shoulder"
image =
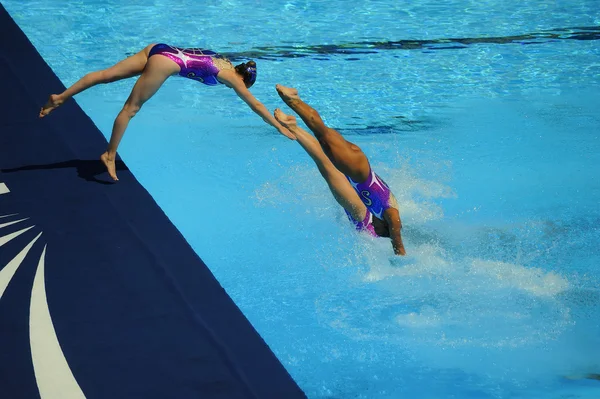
pixel 223 63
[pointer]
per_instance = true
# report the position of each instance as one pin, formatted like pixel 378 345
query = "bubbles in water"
pixel 532 280
pixel 452 312
pixel 302 184
pixel 458 301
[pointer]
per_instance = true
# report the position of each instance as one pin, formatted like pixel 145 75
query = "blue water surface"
pixel 483 118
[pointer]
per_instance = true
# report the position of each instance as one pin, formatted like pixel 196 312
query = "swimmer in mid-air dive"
pixel 365 197
pixel 201 65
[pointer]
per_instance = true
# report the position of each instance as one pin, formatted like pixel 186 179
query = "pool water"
pixel 482 117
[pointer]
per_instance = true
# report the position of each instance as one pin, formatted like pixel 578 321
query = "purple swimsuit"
pixel 365 225
pixel 376 196
pixel 195 63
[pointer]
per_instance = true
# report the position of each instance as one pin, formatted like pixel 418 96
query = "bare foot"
pixel 286 120
pixel 287 94
pixel 110 165
pixel 53 102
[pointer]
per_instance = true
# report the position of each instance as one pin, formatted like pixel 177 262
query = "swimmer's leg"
pixel 157 70
pixel 129 67
pixel 347 157
pixel 338 184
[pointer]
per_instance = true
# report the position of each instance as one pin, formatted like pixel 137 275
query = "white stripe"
pixel 54 377
pixel 8 237
pixel 4 189
pixel 9 270
pixel 9 223
pixel 5 216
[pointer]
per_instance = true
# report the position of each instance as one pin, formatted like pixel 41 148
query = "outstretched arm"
pixel 392 217
pixel 259 108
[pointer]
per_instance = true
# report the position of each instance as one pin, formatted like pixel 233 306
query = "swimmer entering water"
pixel 365 197
pixel 202 65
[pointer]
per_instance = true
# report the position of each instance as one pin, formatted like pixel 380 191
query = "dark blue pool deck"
pixel 100 295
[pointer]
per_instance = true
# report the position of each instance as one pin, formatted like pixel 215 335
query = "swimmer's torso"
pixel 197 64
pixel 375 194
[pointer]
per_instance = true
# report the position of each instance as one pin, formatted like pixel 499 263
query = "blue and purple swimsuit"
pixel 195 63
pixel 377 197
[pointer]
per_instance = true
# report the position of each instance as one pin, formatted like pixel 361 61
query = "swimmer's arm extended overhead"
pixel 392 217
pixel 258 107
